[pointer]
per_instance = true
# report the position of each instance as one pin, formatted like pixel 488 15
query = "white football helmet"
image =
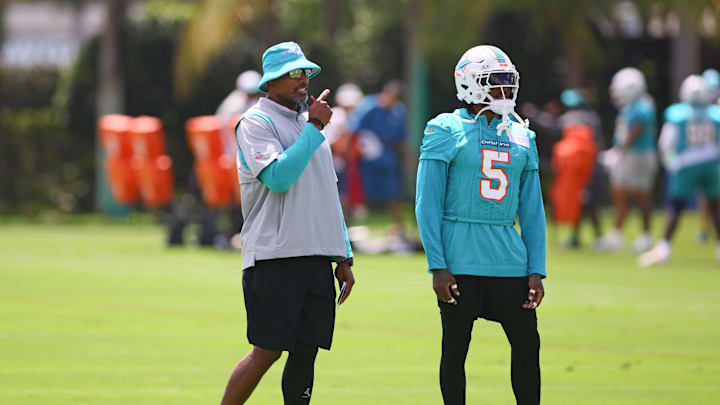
pixel 694 90
pixel 626 86
pixel 481 69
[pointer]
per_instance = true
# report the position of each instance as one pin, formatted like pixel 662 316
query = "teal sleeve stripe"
pixel 279 175
pixel 430 195
pixel 251 114
pixel 348 248
pixel 242 160
pixel 531 215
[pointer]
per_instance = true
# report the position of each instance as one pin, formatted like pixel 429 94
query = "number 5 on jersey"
pixel 490 156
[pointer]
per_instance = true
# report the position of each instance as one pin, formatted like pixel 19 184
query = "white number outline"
pixel 494 173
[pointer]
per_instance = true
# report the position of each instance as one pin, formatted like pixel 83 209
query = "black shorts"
pixel 290 299
pixel 498 299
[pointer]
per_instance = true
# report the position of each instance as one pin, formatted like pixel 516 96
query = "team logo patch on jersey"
pixel 258 155
pixel 495 143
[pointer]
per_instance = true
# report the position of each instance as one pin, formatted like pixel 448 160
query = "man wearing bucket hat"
pixel 293 228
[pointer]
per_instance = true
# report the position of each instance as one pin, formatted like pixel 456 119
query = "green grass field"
pixel 105 314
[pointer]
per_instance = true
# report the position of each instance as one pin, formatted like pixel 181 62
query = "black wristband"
pixel 349 261
pixel 317 121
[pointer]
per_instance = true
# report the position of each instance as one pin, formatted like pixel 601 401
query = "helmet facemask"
pixel 504 105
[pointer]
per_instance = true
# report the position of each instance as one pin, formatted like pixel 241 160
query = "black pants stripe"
pixel 496 299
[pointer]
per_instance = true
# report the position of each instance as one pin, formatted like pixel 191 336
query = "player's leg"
pixel 643 199
pixel 613 239
pixel 457 323
pixel 299 373
pixel 503 303
pixel 710 185
pixel 706 220
pixel 676 208
pixel 455 343
pixel 620 201
pixel 713 207
pixel 525 359
pixel 681 185
pixel 714 211
pixel 247 374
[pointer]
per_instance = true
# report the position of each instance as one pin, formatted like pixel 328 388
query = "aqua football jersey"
pixel 695 133
pixel 689 145
pixel 640 112
pixel 483 179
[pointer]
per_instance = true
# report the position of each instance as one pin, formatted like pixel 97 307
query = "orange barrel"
pixel 213 172
pixel 151 163
pixel 114 134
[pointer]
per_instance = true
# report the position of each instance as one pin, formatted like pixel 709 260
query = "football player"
pixel 478 171
pixel 632 161
pixel 689 150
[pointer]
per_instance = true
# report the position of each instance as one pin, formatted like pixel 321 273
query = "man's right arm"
pixel 431 181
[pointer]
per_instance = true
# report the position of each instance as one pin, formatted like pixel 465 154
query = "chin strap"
pixel 504 124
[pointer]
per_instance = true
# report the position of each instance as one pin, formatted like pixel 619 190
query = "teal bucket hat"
pixel 280 59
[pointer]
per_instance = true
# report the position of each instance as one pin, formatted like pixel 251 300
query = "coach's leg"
pixel 455 343
pixel 297 378
pixel 525 364
pixel 247 374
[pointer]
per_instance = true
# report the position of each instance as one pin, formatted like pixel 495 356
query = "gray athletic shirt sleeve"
pixel 259 146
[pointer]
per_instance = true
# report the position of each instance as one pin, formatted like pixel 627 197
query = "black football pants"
pixel 497 299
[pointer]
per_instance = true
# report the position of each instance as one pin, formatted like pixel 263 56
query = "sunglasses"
pixel 296 73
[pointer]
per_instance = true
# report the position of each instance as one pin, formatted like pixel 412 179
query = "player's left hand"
pixel 343 272
pixel 536 292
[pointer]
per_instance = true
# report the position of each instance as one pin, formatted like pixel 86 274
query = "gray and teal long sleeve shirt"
pixel 290 200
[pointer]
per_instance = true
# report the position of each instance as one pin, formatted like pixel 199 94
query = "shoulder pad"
pixel 445 123
pixel 714 112
pixel 677 112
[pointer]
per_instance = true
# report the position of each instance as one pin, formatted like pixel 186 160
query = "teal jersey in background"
pixel 472 184
pixel 640 112
pixel 689 149
pixel 691 134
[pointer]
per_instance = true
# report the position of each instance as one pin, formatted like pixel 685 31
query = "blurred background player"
pixel 578 181
pixel 712 81
pixel 344 149
pixel 478 171
pixel 631 162
pixel 689 150
pixel 379 124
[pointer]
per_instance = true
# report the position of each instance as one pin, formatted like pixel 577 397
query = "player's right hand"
pixel 320 108
pixel 443 284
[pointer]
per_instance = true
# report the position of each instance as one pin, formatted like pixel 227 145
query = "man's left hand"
pixel 536 292
pixel 343 272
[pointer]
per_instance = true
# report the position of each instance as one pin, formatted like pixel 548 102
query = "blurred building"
pixel 50 32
